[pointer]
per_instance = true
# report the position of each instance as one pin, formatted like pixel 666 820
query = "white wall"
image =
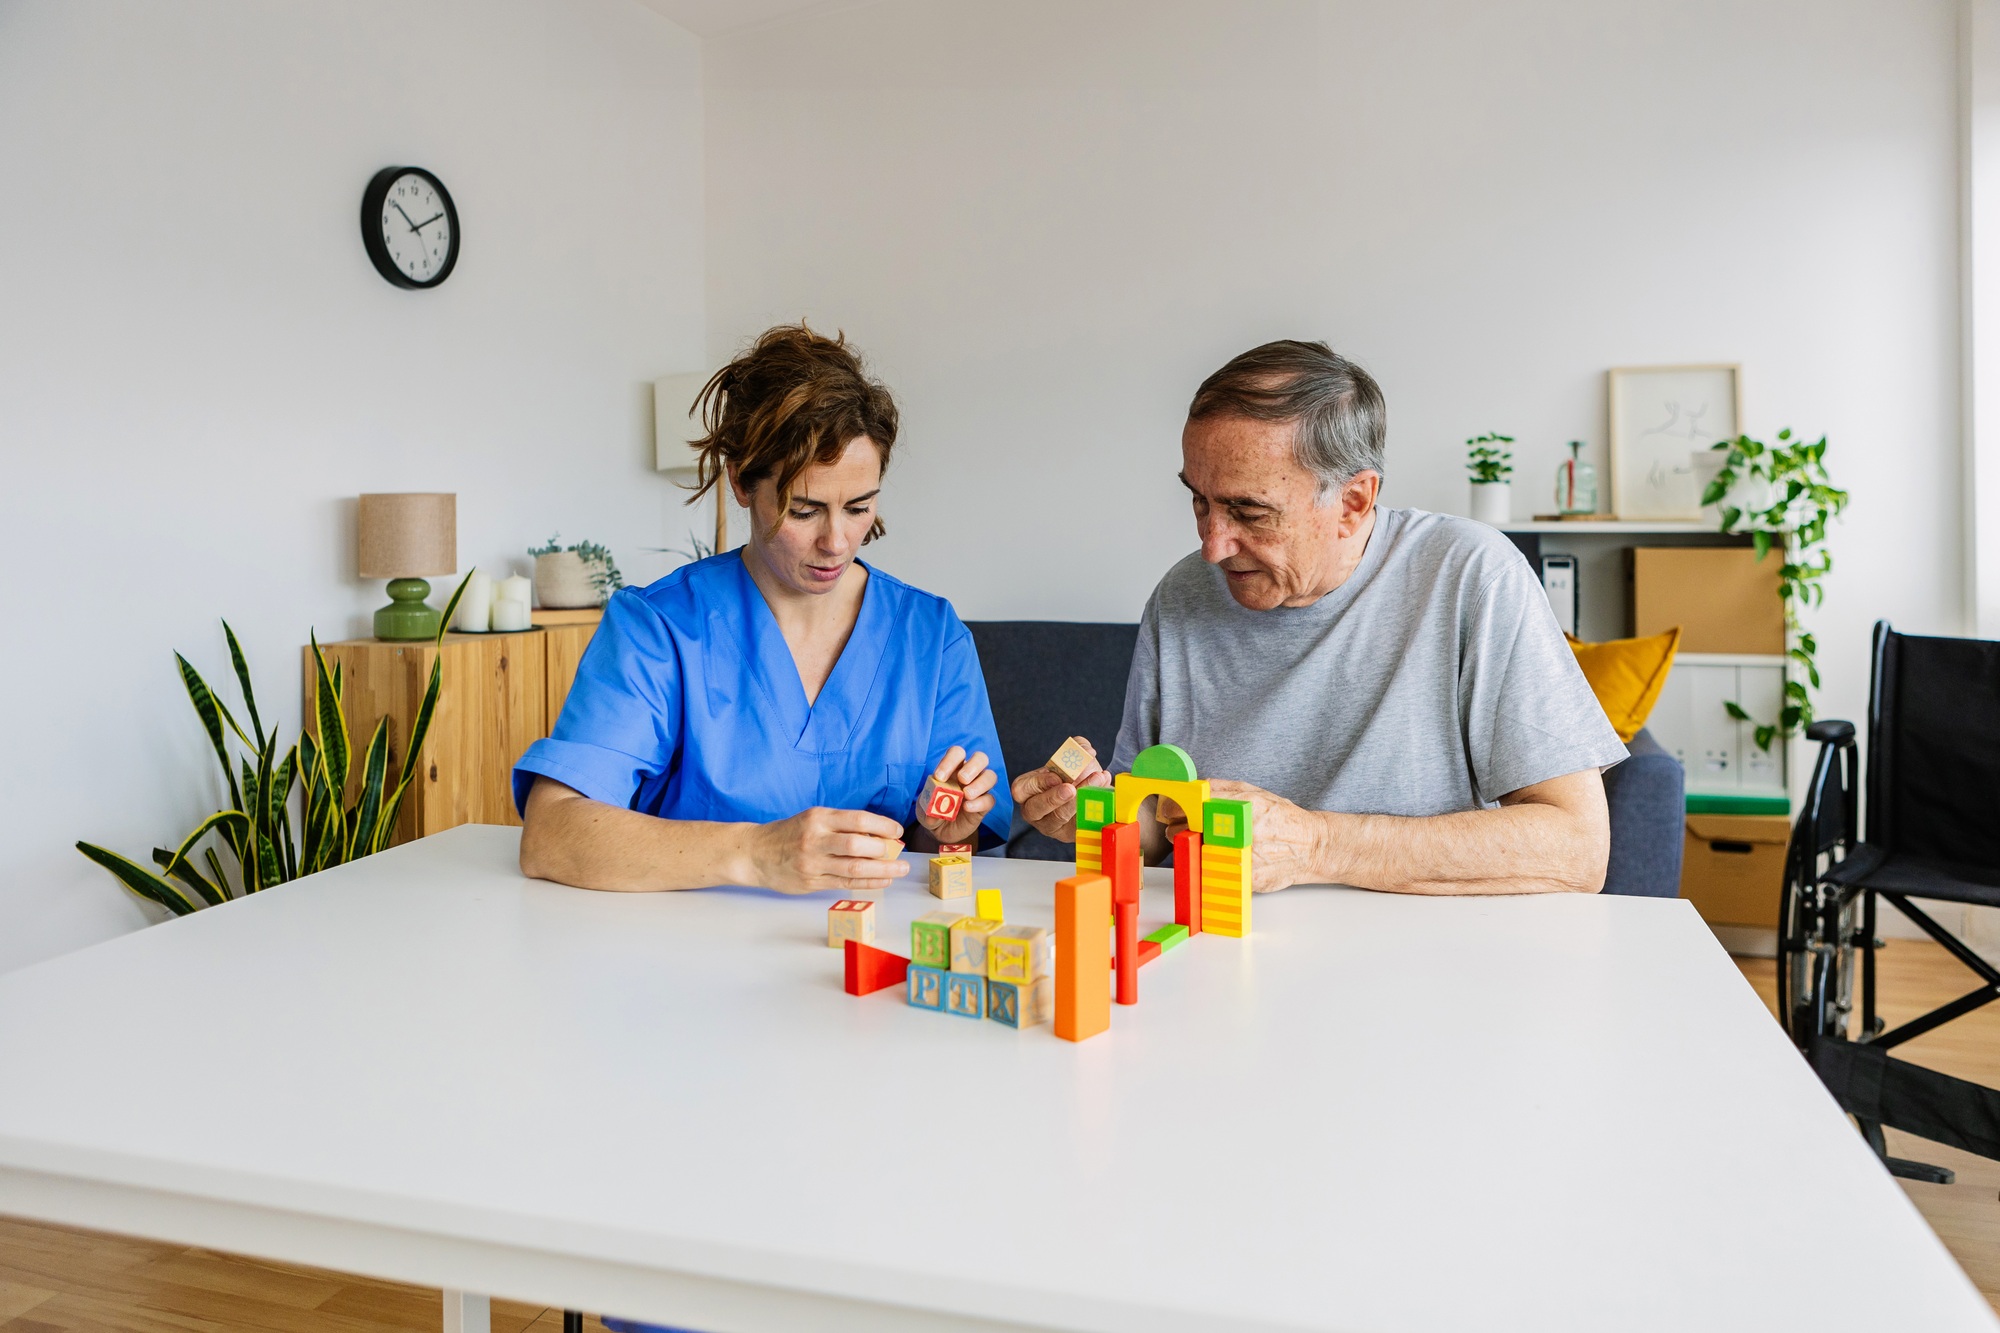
pixel 199 368
pixel 1047 221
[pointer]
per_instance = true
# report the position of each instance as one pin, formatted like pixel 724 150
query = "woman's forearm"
pixel 574 840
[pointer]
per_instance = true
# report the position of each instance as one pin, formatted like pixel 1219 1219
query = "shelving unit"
pixel 1604 606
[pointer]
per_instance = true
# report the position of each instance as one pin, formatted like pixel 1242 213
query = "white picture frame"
pixel 1659 417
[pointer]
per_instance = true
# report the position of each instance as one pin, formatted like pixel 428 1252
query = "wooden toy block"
pixel 1021 1006
pixel 951 876
pixel 956 849
pixel 1017 953
pixel 1083 983
pixel 1225 890
pixel 850 919
pixel 1167 937
pixel 1225 823
pixel 1089 850
pixel 1122 863
pixel 969 935
pixel 1128 949
pixel 990 907
pixel 930 939
pixel 927 987
pixel 870 969
pixel 945 801
pixel 964 995
pixel 1187 880
pixel 1072 761
pixel 1148 950
pixel 1095 807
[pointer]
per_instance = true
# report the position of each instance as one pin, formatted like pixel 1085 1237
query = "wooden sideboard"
pixel 501 693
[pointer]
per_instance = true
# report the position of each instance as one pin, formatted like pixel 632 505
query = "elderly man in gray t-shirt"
pixel 1386 686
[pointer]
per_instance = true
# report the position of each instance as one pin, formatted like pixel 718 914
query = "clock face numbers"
pixel 416 228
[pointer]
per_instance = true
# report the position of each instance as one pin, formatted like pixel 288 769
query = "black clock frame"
pixel 372 200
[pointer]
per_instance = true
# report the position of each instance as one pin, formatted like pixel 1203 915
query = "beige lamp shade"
pixel 407 536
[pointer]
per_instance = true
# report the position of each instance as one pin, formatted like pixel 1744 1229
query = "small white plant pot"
pixel 1493 502
pixel 562 582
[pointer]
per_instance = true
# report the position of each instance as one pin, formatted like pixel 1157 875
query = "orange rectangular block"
pixel 1083 982
pixel 1121 861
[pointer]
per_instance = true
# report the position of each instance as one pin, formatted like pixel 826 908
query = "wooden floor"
pixel 58 1280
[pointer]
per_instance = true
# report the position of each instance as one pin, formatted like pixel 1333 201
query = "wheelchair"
pixel 1932 789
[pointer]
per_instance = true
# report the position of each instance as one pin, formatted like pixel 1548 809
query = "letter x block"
pixel 1020 1006
pixel 946 800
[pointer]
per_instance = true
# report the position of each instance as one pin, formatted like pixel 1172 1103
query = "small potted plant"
pixel 1491 463
pixel 579 575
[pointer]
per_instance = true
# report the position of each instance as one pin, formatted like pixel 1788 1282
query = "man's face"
pixel 1257 512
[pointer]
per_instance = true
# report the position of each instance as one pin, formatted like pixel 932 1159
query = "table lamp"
pixel 402 539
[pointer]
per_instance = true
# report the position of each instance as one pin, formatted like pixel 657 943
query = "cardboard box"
pixel 1723 597
pixel 1733 867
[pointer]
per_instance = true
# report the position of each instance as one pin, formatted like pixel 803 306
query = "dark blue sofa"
pixel 1049 679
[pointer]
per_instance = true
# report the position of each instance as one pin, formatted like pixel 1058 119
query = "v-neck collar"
pixel 827 723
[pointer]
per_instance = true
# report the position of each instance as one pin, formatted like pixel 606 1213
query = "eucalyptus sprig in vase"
pixel 1791 499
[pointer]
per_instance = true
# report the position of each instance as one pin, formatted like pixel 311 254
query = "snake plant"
pixel 257 828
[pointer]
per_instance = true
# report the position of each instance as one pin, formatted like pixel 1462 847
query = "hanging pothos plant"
pixel 1787 501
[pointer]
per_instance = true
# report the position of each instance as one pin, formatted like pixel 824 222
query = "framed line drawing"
pixel 1660 416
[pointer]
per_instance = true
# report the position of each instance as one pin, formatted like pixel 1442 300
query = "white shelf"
pixel 1610 527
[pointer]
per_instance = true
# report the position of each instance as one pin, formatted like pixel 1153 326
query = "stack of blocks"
pixel 1225 868
pixel 976 967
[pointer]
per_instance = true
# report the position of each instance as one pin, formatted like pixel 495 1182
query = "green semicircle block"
pixel 1165 763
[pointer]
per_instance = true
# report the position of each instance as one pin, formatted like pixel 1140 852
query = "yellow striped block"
pixel 1225 891
pixel 1089 851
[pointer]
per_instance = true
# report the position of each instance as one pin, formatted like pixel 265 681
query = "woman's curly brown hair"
pixel 794 399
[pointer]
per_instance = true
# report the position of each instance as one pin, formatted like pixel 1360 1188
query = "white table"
pixel 1378 1113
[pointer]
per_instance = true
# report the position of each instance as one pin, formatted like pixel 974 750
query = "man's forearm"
pixel 589 845
pixel 1524 848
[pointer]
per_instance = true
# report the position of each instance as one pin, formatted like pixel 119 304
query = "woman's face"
pixel 820 532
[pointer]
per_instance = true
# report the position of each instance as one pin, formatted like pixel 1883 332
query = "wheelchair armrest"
pixel 1831 731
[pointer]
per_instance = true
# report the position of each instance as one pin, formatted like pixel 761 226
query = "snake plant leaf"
pixel 334 749
pixel 243 681
pixel 368 810
pixel 278 792
pixel 260 805
pixel 177 864
pixel 215 869
pixel 211 712
pixel 140 880
pixel 267 863
pixel 451 607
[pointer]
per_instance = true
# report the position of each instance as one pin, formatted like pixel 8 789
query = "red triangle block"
pixel 870 969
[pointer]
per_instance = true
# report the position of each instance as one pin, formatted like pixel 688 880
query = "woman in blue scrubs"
pixel 769 716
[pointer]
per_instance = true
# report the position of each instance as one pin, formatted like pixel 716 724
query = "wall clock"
pixel 410 227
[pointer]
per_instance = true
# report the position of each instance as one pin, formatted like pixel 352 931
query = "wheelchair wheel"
pixel 1817 933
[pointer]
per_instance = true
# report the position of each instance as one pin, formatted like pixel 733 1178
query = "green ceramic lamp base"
pixel 407 616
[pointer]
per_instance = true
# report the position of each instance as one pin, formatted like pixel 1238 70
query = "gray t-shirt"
pixel 1433 680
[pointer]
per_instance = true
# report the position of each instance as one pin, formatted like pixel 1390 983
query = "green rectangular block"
pixel 1095 807
pixel 1225 823
pixel 1168 937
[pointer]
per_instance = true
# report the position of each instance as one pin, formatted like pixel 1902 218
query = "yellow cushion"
pixel 1626 675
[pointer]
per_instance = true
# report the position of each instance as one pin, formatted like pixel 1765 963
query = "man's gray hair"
pixel 1342 420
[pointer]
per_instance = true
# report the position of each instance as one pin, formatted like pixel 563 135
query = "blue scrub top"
pixel 687 705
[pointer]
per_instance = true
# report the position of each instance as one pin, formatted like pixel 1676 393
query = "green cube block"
pixel 930 939
pixel 1095 807
pixel 1169 937
pixel 1225 823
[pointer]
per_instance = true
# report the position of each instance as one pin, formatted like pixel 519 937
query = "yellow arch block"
pixel 1129 792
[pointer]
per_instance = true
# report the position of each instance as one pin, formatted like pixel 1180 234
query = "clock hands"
pixel 406 217
pixel 419 226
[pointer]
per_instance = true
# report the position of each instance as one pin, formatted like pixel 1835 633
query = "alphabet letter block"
pixel 956 849
pixel 850 919
pixel 1083 982
pixel 964 995
pixel 969 935
pixel 930 939
pixel 1020 1006
pixel 945 800
pixel 927 987
pixel 951 876
pixel 1017 953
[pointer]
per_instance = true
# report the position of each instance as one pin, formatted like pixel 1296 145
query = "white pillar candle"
pixel 518 588
pixel 475 606
pixel 509 614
